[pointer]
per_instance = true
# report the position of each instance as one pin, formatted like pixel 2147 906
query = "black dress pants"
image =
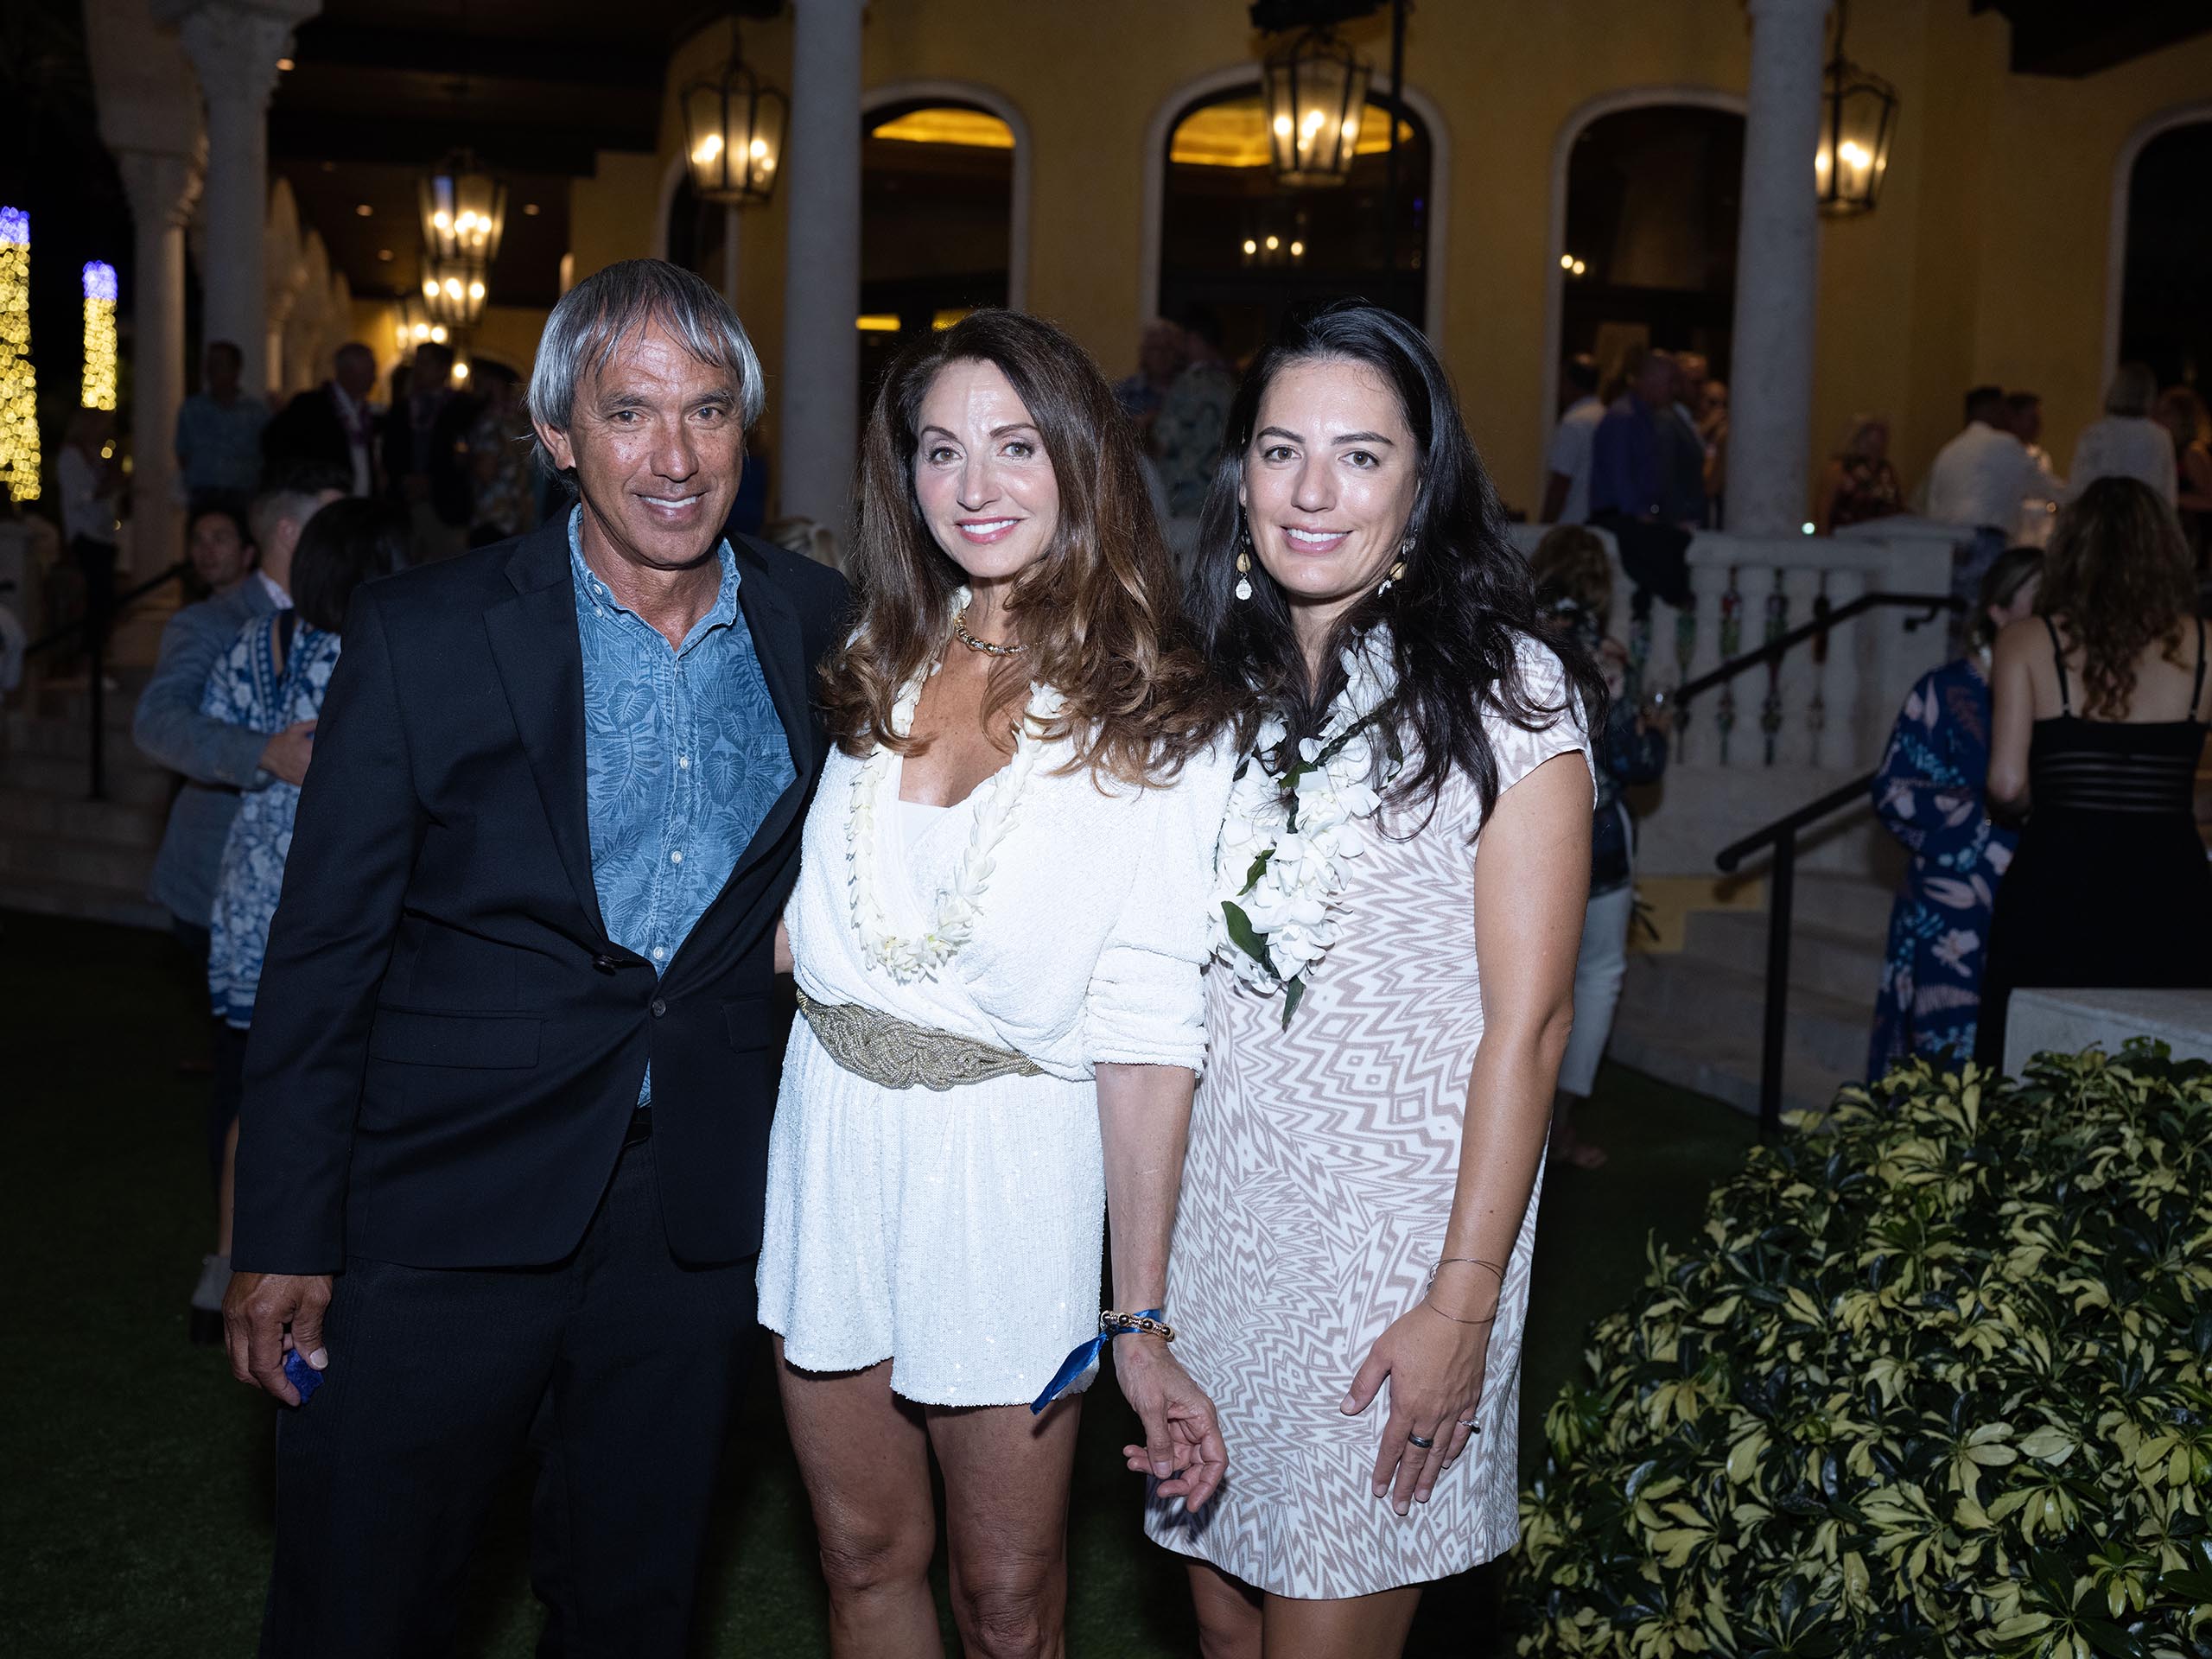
pixel 619 1365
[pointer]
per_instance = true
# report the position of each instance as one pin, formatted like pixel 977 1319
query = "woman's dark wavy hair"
pixel 2118 578
pixel 1097 608
pixel 1456 616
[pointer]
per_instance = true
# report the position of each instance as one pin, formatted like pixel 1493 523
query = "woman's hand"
pixel 1183 1449
pixel 1435 1365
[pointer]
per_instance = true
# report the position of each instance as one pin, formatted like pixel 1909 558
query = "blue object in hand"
pixel 302 1375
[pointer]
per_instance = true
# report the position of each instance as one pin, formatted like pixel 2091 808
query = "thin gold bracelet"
pixel 1441 1314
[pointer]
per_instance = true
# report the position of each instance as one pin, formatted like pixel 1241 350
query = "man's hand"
pixel 257 1310
pixel 286 754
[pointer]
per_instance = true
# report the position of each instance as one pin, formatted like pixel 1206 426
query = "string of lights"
pixel 99 335
pixel 19 450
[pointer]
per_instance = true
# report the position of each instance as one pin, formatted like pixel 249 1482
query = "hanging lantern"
pixel 415 327
pixel 453 293
pixel 1858 116
pixel 733 133
pixel 1315 94
pixel 464 213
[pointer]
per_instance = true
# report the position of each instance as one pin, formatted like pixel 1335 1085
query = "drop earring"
pixel 1244 564
pixel 1397 569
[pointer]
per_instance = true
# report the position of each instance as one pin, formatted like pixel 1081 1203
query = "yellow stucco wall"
pixel 1985 260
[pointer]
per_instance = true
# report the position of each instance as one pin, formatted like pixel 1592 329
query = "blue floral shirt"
pixel 684 755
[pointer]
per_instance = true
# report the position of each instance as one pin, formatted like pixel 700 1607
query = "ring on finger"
pixel 1422 1441
pixel 1471 1425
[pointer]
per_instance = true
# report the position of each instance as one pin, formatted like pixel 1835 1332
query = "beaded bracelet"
pixel 1113 1323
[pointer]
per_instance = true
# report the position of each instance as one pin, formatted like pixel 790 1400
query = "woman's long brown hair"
pixel 1097 609
pixel 2118 575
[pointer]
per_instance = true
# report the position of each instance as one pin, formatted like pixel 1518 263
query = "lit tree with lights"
pixel 19 452
pixel 99 335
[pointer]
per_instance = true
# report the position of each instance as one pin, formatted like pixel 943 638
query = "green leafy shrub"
pixel 1933 1383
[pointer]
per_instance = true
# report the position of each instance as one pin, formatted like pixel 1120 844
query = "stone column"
pixel 822 279
pixel 234 46
pixel 162 188
pixel 1778 272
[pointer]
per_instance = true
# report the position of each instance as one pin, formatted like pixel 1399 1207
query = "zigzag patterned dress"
pixel 1315 1198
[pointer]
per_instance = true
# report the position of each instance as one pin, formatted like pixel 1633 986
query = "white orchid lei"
pixel 952 920
pixel 1282 861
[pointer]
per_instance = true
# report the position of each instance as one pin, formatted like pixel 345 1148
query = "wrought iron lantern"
pixel 1315 94
pixel 415 327
pixel 733 132
pixel 453 292
pixel 464 213
pixel 1858 116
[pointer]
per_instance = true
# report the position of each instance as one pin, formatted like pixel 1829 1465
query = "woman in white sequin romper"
pixel 1350 1270
pixel 998 933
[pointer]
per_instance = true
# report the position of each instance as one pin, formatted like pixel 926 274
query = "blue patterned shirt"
pixel 684 755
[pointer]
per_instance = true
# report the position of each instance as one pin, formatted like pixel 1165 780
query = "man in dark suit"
pixel 333 425
pixel 426 453
pixel 504 1144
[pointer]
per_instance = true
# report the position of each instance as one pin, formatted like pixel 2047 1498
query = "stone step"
pixel 1846 965
pixel 1850 905
pixel 93 904
pixel 1698 1022
pixel 30 733
pixel 102 823
pixel 120 871
pixel 130 778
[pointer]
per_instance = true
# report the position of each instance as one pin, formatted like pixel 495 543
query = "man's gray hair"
pixel 598 314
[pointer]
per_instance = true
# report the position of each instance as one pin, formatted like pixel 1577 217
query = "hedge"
pixel 1933 1383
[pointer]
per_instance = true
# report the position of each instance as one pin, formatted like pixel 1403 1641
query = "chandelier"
pixel 464 212
pixel 1315 93
pixel 733 132
pixel 1858 116
pixel 453 292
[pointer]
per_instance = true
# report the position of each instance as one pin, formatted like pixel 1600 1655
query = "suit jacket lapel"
pixel 540 658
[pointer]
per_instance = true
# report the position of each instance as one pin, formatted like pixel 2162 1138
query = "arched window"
pixel 936 206
pixel 1239 248
pixel 1649 257
pixel 2163 319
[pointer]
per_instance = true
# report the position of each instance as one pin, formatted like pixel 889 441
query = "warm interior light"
pixel 1250 246
pixel 438 333
pixel 709 146
pixel 284 66
pixel 972 129
pixel 944 320
pixel 364 210
pixel 430 289
pixel 476 290
pixel 1235 134
pixel 1566 262
pixel 460 370
pixel 1580 267
pixel 1273 241
pixel 877 322
pixel 1298 250
pixel 421 331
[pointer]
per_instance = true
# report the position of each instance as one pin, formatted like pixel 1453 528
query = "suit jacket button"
pixel 605 963
pixel 659 1007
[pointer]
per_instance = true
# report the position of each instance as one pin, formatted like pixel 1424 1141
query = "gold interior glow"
pixel 1235 134
pixel 973 129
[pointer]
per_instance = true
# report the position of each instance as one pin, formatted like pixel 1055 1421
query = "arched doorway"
pixel 1237 247
pixel 1647 254
pixel 938 200
pixel 2167 256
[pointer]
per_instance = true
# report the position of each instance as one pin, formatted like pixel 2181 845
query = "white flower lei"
pixel 1282 863
pixel 907 959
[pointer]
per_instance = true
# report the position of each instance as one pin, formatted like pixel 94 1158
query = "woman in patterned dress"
pixel 1929 793
pixel 1350 1270
pixel 275 673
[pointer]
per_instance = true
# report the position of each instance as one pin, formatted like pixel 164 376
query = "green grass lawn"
pixel 137 1497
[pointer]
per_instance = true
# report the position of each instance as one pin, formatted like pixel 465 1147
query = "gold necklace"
pixel 960 631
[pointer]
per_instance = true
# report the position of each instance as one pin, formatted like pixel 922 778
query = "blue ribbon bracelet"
pixel 1084 1355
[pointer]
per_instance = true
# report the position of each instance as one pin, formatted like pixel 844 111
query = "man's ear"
pixel 556 445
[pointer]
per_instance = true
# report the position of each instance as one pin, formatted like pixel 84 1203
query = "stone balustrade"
pixel 1776 736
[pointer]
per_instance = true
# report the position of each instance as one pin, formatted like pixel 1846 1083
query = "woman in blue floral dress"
pixel 1928 794
pixel 276 672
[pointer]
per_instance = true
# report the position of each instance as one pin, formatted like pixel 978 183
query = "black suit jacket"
pixel 447 1045
pixel 307 429
pixel 453 490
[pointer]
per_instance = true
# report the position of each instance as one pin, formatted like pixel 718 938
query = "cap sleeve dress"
pixel 1322 1165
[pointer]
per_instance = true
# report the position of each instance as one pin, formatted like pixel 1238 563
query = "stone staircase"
pixel 62 853
pixel 1695 1017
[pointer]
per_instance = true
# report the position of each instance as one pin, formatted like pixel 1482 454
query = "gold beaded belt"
pixel 898 1055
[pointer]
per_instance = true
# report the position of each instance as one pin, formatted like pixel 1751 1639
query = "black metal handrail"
pixel 95 631
pixel 1781 896
pixel 1825 617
